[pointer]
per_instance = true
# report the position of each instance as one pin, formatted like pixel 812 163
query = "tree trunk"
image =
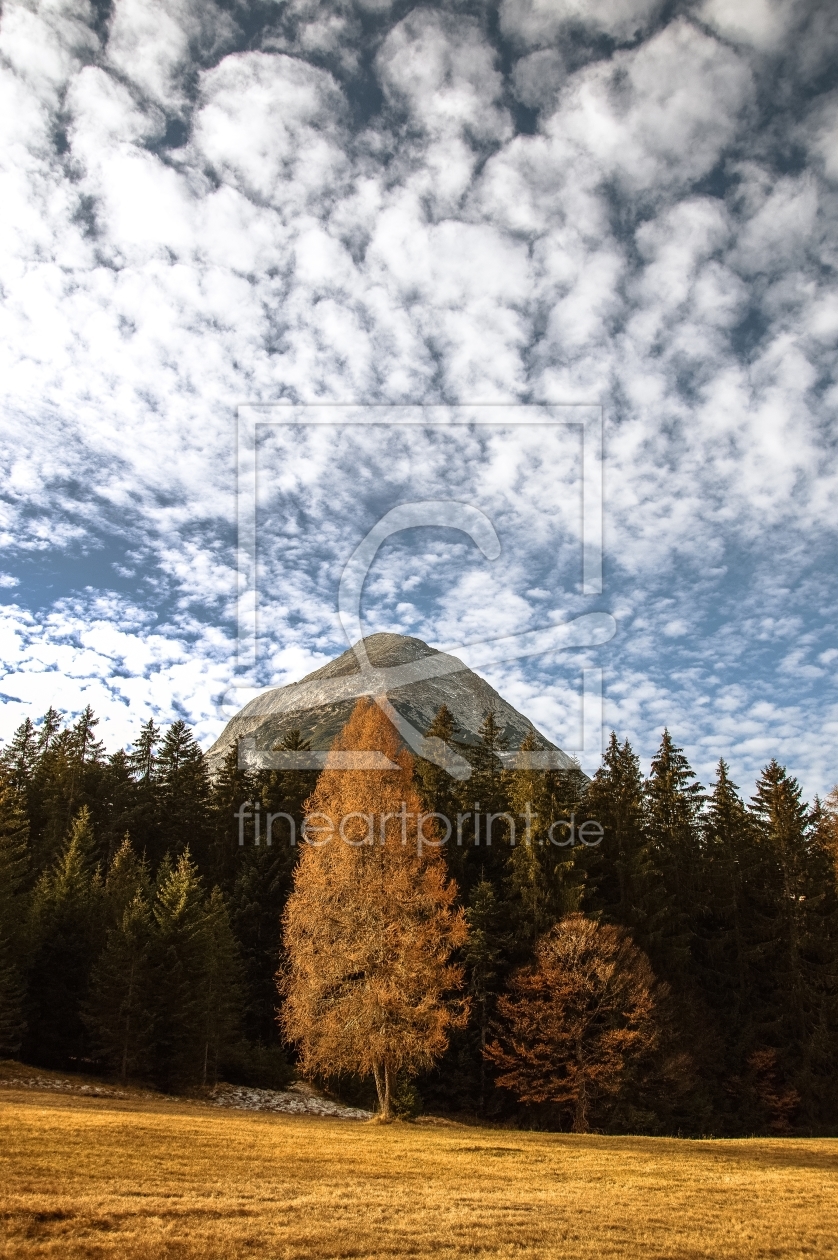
pixel 383 1087
pixel 580 1111
pixel 123 1074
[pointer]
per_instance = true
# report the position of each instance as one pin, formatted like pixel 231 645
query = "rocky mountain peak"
pixel 417 680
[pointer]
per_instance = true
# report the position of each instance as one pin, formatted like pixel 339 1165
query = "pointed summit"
pixel 417 681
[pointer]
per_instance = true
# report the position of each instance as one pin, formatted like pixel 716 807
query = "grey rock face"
pixel 416 679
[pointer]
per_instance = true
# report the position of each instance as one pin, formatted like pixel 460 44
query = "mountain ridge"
pixel 416 679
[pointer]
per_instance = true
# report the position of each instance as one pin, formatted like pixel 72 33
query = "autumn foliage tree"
pixel 370 925
pixel 572 1023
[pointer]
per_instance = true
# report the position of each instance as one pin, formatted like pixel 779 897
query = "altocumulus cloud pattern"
pixel 617 202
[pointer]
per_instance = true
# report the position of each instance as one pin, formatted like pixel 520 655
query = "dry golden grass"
pixel 149 1179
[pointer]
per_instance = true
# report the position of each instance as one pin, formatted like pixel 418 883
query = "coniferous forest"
pixel 140 937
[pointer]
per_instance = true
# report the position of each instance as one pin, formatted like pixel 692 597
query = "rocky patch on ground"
pixel 297 1100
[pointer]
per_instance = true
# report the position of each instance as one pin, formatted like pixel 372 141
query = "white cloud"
pixel 270 125
pixel 541 21
pixel 153 43
pixel 443 71
pixel 46 44
pixel 762 23
pixel 285 250
pixel 655 117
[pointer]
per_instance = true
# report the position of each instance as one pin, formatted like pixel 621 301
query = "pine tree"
pixel 14 906
pixel 370 925
pixel 118 1011
pixel 256 904
pixel 221 986
pixel 722 926
pixel 623 885
pixel 179 974
pixel 673 801
pixel 144 822
pixel 544 880
pixel 484 956
pixel 183 794
pixel 232 787
pixel 67 930
pixel 19 758
pixel 49 728
pixel 128 878
pixel 142 758
pixel 797 924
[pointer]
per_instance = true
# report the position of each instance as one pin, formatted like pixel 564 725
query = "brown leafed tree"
pixel 572 1023
pixel 370 925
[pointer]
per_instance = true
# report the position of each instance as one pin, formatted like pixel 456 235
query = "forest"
pixel 679 977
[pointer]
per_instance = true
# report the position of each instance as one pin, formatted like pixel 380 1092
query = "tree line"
pixel 679 977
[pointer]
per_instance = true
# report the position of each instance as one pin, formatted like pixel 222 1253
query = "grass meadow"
pixel 146 1179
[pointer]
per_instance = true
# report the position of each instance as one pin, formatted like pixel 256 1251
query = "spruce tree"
pixel 49 727
pixel 118 1011
pixel 220 993
pixel 184 795
pixel 84 745
pixel 623 884
pixel 544 878
pixel 20 756
pixel 14 906
pixel 485 957
pixel 180 967
pixel 127 878
pixel 797 925
pixel 727 954
pixel 145 821
pixel 285 792
pixel 143 756
pixel 66 930
pixel 673 800
pixel 256 902
pixel 232 787
pixel 482 795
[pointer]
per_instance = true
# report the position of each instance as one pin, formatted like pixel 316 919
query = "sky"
pixel 615 203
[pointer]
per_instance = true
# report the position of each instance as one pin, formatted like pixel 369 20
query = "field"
pixel 142 1178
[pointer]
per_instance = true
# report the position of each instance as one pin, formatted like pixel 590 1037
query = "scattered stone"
pixel 297 1100
pixel 61 1086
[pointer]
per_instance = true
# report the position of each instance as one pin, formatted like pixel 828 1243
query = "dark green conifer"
pixel 673 801
pixel 179 965
pixel 221 1003
pixel 183 795
pixel 119 1009
pixel 14 906
pixel 67 932
pixel 623 884
pixel 20 756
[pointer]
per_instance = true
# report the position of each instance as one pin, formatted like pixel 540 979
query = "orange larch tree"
pixel 573 1021
pixel 370 925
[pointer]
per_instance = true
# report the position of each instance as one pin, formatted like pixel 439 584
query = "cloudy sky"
pixel 618 203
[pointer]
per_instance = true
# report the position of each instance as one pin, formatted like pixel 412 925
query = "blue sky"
pixel 612 202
